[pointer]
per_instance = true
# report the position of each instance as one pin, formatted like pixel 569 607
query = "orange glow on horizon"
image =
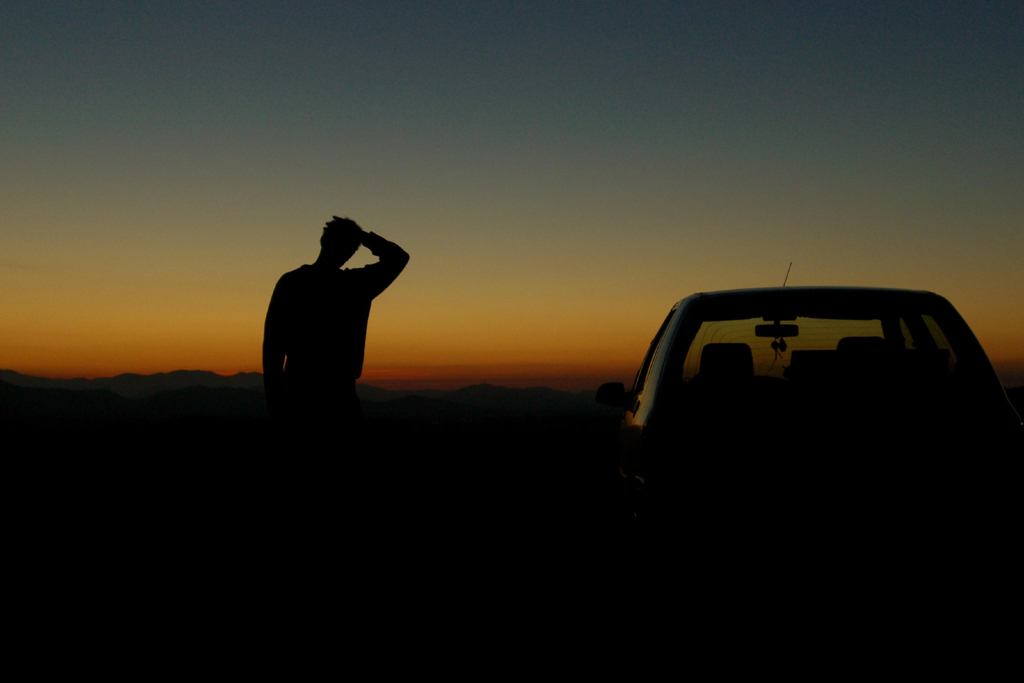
pixel 411 378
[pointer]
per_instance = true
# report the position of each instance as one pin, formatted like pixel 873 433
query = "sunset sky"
pixel 560 172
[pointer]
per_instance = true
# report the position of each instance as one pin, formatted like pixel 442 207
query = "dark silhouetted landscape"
pixel 190 448
pixel 178 478
pixel 189 452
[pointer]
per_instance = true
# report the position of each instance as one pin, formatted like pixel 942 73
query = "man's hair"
pixel 340 231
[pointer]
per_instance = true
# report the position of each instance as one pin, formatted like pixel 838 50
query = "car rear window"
pixel 808 348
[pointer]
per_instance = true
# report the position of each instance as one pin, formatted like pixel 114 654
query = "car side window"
pixel 641 376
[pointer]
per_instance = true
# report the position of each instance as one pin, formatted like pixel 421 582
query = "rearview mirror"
pixel 612 394
pixel 776 330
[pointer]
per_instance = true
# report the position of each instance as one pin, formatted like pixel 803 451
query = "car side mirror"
pixel 612 394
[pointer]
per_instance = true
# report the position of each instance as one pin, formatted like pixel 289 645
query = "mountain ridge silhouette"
pixel 201 392
pixel 133 385
pixel 142 396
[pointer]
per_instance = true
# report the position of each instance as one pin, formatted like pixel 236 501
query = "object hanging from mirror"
pixel 779 347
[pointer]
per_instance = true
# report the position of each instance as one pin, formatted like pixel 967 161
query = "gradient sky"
pixel 561 173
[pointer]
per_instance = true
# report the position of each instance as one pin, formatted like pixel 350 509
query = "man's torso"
pixel 325 334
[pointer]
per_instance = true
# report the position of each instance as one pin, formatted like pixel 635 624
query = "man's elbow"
pixel 396 260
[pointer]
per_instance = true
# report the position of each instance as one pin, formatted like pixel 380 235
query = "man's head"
pixel 339 241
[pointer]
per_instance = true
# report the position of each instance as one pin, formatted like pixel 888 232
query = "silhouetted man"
pixel 317 320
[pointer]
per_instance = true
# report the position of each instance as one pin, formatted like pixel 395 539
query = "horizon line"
pixel 451 384
pixel 568 384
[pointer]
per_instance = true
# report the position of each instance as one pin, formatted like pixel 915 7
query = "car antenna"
pixel 779 345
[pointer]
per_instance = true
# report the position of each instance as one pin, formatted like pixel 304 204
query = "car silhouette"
pixel 815 402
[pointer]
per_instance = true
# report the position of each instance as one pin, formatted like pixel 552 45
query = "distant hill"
pixel 205 401
pixel 368 392
pixel 198 393
pixel 133 386
pixel 32 402
pixel 533 399
pixel 422 408
pixel 57 411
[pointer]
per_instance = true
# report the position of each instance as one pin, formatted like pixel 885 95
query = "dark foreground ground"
pixel 207 484
pixel 187 513
pixel 201 525
pixel 467 474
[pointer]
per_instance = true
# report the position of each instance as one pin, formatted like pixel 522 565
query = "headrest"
pixel 726 361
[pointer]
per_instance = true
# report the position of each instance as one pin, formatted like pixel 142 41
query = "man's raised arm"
pixel 392 261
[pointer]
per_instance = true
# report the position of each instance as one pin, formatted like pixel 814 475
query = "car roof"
pixel 866 295
pixel 770 290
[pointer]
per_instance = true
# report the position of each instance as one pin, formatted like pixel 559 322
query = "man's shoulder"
pixel 305 278
pixel 299 274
